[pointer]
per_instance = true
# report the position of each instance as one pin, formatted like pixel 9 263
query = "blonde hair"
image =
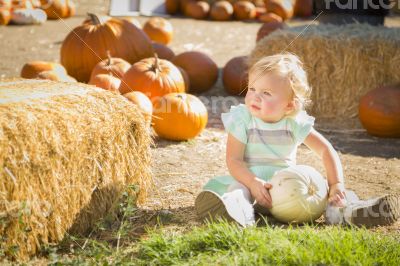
pixel 289 66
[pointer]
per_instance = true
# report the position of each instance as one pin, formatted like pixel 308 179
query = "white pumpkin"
pixel 299 194
pixel 28 16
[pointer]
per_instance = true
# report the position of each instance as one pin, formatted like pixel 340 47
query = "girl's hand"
pixel 259 190
pixel 337 196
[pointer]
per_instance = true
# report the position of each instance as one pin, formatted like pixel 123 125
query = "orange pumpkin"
pixel 198 10
pixel 221 11
pixel 32 69
pixel 154 77
pixel 56 9
pixel 283 8
pixel 163 51
pixel 270 17
pixel 159 30
pixel 260 11
pixel 143 102
pixel 202 70
pixel 267 28
pixel 172 6
pixel 185 78
pixel 112 65
pixel 234 76
pixel 244 10
pixel 379 111
pixel 120 37
pixel 303 8
pixel 106 81
pixel 179 116
pixel 55 76
pixel 5 16
pixel 21 4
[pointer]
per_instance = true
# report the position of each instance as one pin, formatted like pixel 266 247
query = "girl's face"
pixel 269 97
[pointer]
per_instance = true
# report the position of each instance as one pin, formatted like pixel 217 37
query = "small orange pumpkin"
pixel 112 65
pixel 221 11
pixel 5 16
pixel 101 34
pixel 159 30
pixel 244 10
pixel 55 76
pixel 270 17
pixel 282 8
pixel 202 70
pixel 198 10
pixel 163 51
pixel 154 77
pixel 56 9
pixel 234 76
pixel 143 102
pixel 106 81
pixel 32 69
pixel 267 28
pixel 379 111
pixel 179 116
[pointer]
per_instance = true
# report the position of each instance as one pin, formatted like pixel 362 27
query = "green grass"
pixel 227 244
pixel 223 244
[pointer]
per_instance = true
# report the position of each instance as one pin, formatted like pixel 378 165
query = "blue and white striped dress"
pixel 269 146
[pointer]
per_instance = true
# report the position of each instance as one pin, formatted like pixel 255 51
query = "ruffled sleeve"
pixel 236 121
pixel 302 126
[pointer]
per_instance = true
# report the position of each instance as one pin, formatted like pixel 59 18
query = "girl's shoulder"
pixel 301 125
pixel 236 122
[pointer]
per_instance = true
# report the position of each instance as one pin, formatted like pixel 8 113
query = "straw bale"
pixel 342 62
pixel 67 152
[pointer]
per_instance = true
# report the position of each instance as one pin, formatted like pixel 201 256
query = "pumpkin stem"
pixel 109 58
pixel 156 66
pixel 94 18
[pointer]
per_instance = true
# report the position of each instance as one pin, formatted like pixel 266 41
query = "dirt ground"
pixel 371 165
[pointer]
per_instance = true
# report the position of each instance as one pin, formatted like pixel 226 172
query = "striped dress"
pixel 269 146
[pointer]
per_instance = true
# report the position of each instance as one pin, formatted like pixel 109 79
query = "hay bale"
pixel 67 152
pixel 342 62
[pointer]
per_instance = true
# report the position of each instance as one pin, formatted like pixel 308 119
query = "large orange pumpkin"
pixel 197 10
pixel 283 8
pixel 234 76
pixel 244 10
pixel 31 69
pixel 179 116
pixel 88 44
pixel 379 111
pixel 185 78
pixel 267 28
pixel 112 65
pixel 202 70
pixel 154 77
pixel 159 30
pixel 221 11
pixel 5 16
pixel 163 51
pixel 106 81
pixel 143 102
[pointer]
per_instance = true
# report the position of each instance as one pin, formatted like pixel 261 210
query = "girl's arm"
pixel 333 167
pixel 238 169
